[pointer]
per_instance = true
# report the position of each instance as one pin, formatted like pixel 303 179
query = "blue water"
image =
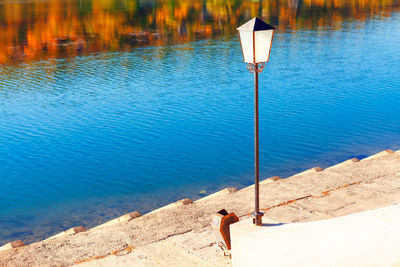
pixel 88 138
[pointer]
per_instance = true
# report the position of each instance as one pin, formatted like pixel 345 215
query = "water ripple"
pixel 111 132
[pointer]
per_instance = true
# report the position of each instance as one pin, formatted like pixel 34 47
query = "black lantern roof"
pixel 255 24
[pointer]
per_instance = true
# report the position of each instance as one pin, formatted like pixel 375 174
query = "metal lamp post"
pixel 256 40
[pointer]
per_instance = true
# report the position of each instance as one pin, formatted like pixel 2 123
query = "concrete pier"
pixel 368 238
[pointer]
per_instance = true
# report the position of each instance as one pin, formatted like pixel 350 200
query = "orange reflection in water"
pixel 60 28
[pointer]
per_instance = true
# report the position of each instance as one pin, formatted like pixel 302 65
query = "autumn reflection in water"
pixel 59 28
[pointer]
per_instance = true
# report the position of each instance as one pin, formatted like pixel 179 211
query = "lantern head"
pixel 256 40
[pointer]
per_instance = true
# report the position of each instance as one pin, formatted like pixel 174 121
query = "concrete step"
pixel 312 170
pixel 225 191
pixel 182 202
pixel 379 155
pixel 71 231
pixel 344 163
pixel 123 218
pixel 11 245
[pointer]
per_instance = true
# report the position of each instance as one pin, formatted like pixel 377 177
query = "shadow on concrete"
pixel 272 224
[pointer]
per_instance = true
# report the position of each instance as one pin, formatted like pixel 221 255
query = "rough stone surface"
pixel 12 244
pixel 79 229
pixel 185 201
pixel 181 235
pixel 232 189
pixel 275 178
pixel 134 214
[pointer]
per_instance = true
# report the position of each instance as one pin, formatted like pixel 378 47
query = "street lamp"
pixel 256 39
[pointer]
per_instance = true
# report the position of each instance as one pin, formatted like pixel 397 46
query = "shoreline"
pixel 45 231
pixel 314 194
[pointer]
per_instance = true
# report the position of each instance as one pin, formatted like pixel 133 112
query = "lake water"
pixel 107 107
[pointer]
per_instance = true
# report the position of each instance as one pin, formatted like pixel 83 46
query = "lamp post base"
pixel 257 218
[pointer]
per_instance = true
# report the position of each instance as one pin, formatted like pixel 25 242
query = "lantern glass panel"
pixel 246 39
pixel 263 40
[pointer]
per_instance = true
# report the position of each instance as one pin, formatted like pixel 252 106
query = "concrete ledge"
pixel 12 244
pixel 380 154
pixel 275 178
pixel 344 163
pixel 123 218
pixel 182 202
pixel 265 181
pixel 71 231
pixel 368 238
pixel 312 170
pixel 225 191
pixel 270 180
